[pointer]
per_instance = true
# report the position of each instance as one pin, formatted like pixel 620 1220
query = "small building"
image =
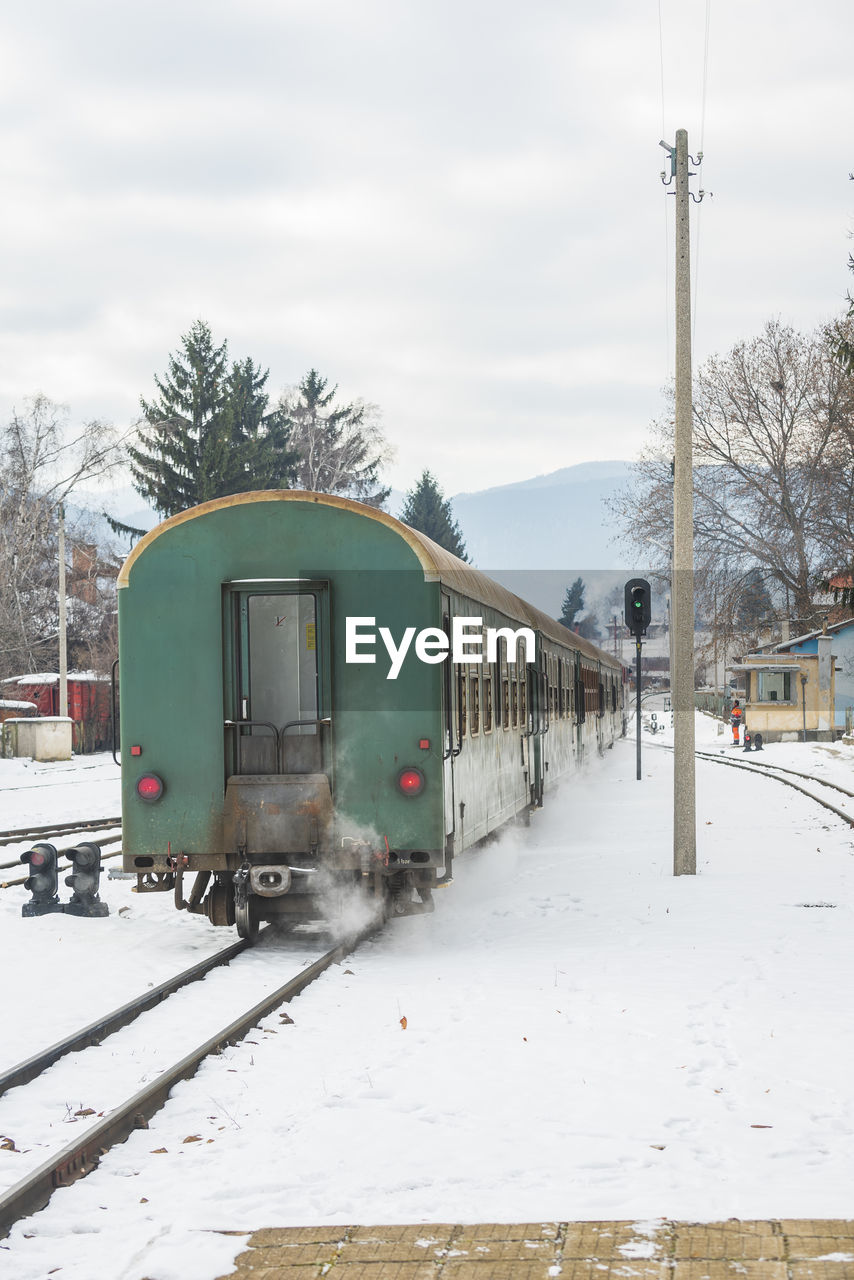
pixel 842 636
pixel 11 708
pixel 88 703
pixel 789 697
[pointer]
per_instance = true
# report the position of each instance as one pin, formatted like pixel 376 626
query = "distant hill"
pixel 553 521
pixel 535 535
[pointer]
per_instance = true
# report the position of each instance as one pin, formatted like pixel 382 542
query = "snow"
pixel 585 1035
pixel 52 677
pixel 38 793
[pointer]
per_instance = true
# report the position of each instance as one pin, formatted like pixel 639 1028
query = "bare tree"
pixel 770 420
pixel 341 448
pixel 41 462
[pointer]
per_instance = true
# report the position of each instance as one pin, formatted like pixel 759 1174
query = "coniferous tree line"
pixel 210 429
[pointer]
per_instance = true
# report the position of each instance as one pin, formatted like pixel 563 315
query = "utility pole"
pixel 63 647
pixel 682 603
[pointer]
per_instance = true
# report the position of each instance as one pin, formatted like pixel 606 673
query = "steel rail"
pixel 810 777
pixel 98 1030
pixel 765 772
pixel 58 829
pixel 8 866
pixel 80 1157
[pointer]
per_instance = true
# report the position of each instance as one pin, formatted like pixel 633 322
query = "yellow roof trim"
pixel 431 556
pixel 437 563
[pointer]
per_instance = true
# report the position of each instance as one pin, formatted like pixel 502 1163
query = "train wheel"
pixel 245 917
pixel 219 904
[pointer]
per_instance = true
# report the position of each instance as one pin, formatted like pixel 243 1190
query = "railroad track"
pixel 84 826
pixel 768 769
pixel 63 866
pixel 81 1156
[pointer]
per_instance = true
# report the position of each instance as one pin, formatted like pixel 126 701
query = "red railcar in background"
pixel 88 704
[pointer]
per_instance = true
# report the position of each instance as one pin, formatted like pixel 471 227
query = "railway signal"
pixel 84 880
pixel 638 611
pixel 638 606
pixel 42 881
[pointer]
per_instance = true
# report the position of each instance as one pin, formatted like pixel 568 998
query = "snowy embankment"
pixel 585 1037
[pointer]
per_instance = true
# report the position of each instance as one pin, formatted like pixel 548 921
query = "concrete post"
pixel 63 647
pixel 684 792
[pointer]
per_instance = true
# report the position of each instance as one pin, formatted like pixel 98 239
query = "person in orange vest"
pixel 735 719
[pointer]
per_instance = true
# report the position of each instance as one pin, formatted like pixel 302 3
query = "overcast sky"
pixel 452 210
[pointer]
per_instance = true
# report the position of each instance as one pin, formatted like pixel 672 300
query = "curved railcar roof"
pixel 437 563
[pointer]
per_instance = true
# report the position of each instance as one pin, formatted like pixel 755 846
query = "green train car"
pixel 318 700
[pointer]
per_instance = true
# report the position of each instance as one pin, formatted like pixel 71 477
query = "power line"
pixel 702 136
pixel 667 343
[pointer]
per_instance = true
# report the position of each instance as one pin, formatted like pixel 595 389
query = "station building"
pixel 789 696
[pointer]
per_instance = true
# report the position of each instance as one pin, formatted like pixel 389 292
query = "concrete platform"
pixel 811 1249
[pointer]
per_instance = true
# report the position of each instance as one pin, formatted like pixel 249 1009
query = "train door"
pixel 580 710
pixel 535 734
pixel 277 680
pixel 448 753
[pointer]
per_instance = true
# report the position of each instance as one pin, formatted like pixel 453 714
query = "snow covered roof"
pixel 52 677
pixel 810 635
pixel 39 677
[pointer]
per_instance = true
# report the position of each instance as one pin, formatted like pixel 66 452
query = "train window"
pixel 462 705
pixel 601 707
pixel 447 690
pixel 487 698
pixel 523 697
pixel 282 658
pixel 504 684
pixel 474 701
pixel 514 703
pixel 613 695
pixel 496 688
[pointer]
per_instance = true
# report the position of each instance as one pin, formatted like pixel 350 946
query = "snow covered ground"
pixel 585 1036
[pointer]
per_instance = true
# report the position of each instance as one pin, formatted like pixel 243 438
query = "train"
pixel 319 703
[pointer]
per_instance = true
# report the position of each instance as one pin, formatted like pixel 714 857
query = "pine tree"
pixel 185 449
pixel 260 440
pixel 754 602
pixel 573 603
pixel 429 512
pixel 588 628
pixel 208 433
pixel 340 448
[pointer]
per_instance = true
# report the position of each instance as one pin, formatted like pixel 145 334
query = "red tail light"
pixel 410 781
pixel 149 787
